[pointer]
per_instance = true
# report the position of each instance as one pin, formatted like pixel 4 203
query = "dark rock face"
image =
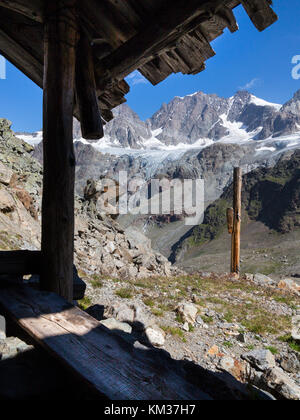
pixel 185 120
pixel 127 129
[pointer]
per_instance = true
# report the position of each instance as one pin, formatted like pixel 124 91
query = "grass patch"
pixel 207 319
pixel 84 303
pixel 179 319
pixel 272 349
pixel 227 344
pixel 229 317
pixel 174 331
pixel 157 312
pixel 149 302
pixel 191 328
pixel 250 347
pixel 124 293
pixel 291 342
pixel 96 282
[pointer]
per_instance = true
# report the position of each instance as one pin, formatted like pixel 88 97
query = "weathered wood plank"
pixel 21 58
pixel 90 117
pixel 113 367
pixel 32 9
pixel 230 218
pixel 237 208
pixel 61 37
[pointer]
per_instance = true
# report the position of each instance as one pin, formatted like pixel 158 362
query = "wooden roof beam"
pixel 21 58
pixel 32 9
pixel 260 12
pixel 175 19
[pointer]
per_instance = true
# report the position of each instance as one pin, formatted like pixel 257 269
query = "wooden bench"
pixel 20 263
pixel 115 368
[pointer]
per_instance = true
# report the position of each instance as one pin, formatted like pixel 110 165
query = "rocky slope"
pixel 101 245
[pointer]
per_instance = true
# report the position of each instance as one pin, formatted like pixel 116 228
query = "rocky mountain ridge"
pixel 197 120
pixel 102 247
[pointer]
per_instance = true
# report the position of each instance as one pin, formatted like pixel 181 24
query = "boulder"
pixel 188 312
pixel 277 380
pixel 7 203
pixel 296 328
pixel 262 280
pixel 113 324
pixel 260 359
pixel 142 319
pixel 155 335
pixel 121 312
pixel 289 285
pixel 290 363
pixel 5 174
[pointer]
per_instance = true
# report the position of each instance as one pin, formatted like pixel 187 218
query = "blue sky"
pixel 261 62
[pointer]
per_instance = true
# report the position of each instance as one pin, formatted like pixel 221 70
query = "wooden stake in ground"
pixel 234 218
pixel 61 37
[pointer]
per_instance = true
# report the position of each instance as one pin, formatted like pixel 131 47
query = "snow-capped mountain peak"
pixel 197 121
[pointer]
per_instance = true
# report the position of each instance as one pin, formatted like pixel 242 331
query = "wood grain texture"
pixel 230 218
pixel 90 117
pixel 237 209
pixel 61 37
pixel 260 12
pixel 110 365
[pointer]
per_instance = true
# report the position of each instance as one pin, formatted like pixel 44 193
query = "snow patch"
pixel 261 102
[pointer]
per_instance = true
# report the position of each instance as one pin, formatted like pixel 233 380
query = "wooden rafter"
pixel 32 9
pixel 174 20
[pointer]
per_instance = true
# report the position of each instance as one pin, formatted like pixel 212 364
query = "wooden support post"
pixel 90 117
pixel 237 218
pixel 59 159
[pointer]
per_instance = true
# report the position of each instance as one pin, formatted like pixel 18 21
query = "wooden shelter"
pixel 79 52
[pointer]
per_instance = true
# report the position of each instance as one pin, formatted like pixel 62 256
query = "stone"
pixel 2 328
pixel 5 174
pixel 155 335
pixel 290 363
pixel 121 312
pixel 263 280
pixel 242 338
pixel 186 327
pixel 296 328
pixel 277 380
pixel 142 319
pixel 260 359
pixel 199 321
pixel 226 363
pixel 213 351
pixel 7 203
pixel 113 324
pixel 290 285
pixel 188 312
pixel 110 247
